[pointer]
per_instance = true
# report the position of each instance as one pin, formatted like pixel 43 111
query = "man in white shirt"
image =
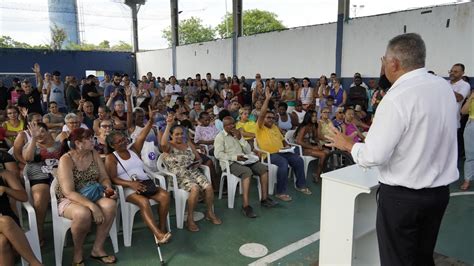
pixel 210 82
pixel 461 88
pixel 412 141
pixel 173 88
pixel 258 77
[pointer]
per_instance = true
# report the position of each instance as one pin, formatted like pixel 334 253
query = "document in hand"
pixel 250 159
pixel 291 149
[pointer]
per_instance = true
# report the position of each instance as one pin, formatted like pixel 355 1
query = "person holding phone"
pixel 182 159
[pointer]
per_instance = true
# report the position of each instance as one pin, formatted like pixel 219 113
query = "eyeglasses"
pixel 12 113
pixel 106 126
pixel 73 122
pixel 326 112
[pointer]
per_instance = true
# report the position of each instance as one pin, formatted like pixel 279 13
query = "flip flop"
pixel 101 259
pixel 81 263
pixel 284 197
pixel 194 228
pixel 214 220
pixel 305 191
pixel 164 239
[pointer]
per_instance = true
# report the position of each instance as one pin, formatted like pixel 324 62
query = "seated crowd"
pixel 91 137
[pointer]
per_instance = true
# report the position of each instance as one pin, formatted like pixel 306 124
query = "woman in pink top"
pixel 351 128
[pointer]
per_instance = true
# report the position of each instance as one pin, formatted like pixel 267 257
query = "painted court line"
pixel 286 250
pixel 308 240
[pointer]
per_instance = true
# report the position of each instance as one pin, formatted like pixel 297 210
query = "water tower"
pixel 63 14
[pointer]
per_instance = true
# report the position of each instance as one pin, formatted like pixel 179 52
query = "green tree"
pixel 122 46
pixel 9 42
pixel 190 31
pixel 58 36
pixel 254 21
pixel 104 44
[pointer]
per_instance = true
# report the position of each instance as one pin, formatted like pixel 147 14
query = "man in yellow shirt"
pixel 270 139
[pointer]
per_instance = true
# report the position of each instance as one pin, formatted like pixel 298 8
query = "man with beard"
pixel 89 92
pixel 115 86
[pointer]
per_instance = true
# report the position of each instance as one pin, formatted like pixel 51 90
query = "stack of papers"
pixel 291 149
pixel 250 159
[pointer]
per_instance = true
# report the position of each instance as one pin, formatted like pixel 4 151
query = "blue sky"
pixel 28 20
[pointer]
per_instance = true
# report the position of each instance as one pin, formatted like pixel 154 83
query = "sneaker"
pixel 268 203
pixel 248 212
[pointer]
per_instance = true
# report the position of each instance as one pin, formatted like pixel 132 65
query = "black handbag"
pixel 150 186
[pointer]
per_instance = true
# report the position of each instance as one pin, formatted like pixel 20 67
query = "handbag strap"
pixel 118 160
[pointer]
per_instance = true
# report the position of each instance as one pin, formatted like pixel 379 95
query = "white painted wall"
pixel 213 57
pixel 310 51
pixel 159 62
pixel 306 51
pixel 365 39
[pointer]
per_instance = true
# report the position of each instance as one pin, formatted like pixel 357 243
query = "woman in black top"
pixel 12 236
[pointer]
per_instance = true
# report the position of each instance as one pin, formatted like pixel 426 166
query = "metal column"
pixel 236 32
pixel 174 33
pixel 342 16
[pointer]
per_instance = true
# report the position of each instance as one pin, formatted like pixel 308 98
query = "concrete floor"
pixel 274 228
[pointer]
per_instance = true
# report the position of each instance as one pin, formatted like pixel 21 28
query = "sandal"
pixel 102 260
pixel 465 185
pixel 305 190
pixel 164 239
pixel 193 228
pixel 283 197
pixel 81 263
pixel 214 220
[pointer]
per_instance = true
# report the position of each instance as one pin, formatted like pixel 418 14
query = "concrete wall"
pixel 365 39
pixel 310 51
pixel 159 62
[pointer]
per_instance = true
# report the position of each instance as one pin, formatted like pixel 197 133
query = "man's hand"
pixel 236 134
pixel 339 140
pixel 268 94
pixel 241 158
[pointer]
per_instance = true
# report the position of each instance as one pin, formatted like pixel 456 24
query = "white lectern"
pixel 348 212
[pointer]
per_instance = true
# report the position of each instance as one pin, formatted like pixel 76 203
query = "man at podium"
pixel 412 142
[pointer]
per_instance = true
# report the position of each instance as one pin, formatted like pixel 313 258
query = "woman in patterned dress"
pixel 183 160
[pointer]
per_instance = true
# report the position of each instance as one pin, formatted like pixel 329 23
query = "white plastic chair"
pixel 32 232
pixel 232 182
pixel 180 195
pixel 289 137
pixel 272 169
pixel 61 225
pixel 129 210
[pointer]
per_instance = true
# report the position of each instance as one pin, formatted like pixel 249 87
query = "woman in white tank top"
pixel 306 94
pixel 126 169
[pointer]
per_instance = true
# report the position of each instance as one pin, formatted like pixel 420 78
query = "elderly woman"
pixel 307 135
pixel 12 237
pixel 100 143
pixel 41 154
pixel 126 169
pixel 85 195
pixel 182 160
pixel 72 122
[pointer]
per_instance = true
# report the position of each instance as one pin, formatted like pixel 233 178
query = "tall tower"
pixel 63 14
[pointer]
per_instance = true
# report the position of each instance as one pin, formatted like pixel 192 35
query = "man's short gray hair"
pixel 410 49
pixel 69 117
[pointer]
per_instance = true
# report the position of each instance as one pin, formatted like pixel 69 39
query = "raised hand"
pixel 36 68
pixel 34 129
pixel 114 94
pixel 128 91
pixel 268 94
pixel 24 112
pixel 170 119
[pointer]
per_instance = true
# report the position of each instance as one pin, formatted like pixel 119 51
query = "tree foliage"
pixel 190 31
pixel 254 21
pixel 9 42
pixel 58 36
